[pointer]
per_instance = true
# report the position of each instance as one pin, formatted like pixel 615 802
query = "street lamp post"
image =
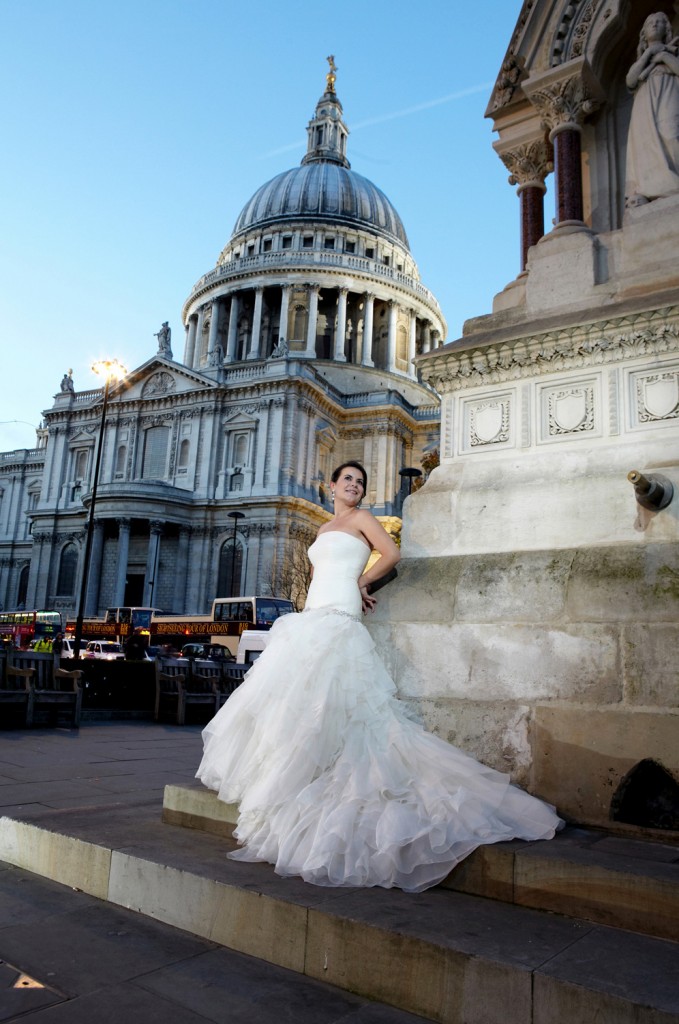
pixel 411 474
pixel 110 370
pixel 235 516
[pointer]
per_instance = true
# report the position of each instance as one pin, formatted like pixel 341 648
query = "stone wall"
pixel 558 666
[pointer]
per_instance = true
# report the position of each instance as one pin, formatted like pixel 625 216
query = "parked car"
pixel 104 650
pixel 194 651
pixel 68 648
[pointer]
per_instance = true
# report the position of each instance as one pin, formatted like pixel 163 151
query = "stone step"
pixel 447 956
pixel 604 878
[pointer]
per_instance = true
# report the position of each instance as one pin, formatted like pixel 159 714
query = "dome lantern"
pixel 327 132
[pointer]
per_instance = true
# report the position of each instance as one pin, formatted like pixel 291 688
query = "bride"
pixel 333 779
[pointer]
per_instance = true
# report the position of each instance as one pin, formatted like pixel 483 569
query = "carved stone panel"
pixel 488 422
pixel 654 397
pixel 569 410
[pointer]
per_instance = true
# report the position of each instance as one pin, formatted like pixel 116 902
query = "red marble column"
pixel 531 199
pixel 567 160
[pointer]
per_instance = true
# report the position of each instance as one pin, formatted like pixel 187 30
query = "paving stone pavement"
pixel 68 957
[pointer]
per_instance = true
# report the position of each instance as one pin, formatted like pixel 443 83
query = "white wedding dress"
pixel 333 779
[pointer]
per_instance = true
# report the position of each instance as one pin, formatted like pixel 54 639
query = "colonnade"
pixel 310 321
pixel 562 98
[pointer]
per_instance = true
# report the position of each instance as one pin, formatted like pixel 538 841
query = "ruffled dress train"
pixel 334 781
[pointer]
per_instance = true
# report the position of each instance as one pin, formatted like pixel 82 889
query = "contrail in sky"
pixel 396 114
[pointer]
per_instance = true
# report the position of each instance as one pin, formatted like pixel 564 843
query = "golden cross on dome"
pixel 331 76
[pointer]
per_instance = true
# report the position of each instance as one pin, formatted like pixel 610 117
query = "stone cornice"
pixel 531 355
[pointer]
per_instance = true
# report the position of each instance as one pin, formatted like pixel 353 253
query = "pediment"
pixel 239 419
pixel 161 378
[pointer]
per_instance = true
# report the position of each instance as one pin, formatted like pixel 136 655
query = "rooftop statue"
pixel 163 336
pixel 653 141
pixel 67 381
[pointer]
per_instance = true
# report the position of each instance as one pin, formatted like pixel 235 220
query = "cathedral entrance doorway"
pixel 134 589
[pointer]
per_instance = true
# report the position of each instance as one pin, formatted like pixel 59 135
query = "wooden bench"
pixel 63 691
pixel 178 685
pixel 233 673
pixel 16 694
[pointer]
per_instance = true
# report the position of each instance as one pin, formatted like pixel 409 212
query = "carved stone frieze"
pixel 511 71
pixel 589 345
pixel 161 383
pixel 571 35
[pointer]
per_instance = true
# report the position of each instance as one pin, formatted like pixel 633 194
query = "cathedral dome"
pixel 322 190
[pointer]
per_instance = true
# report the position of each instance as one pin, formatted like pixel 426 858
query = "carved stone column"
pixel 152 562
pixel 198 354
pixel 564 96
pixel 367 354
pixel 285 309
pixel 528 164
pixel 313 322
pixel 412 343
pixel 94 575
pixel 121 570
pixel 191 340
pixel 232 337
pixel 212 337
pixel 426 336
pixel 256 325
pixel 182 567
pixel 391 337
pixel 340 332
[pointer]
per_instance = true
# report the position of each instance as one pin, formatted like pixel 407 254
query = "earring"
pixel 332 497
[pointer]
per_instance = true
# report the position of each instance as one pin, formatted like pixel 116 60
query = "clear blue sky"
pixel 134 131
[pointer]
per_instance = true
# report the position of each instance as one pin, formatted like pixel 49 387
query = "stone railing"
pixel 23 455
pixel 291 258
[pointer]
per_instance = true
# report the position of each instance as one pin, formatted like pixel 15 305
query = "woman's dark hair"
pixel 355 465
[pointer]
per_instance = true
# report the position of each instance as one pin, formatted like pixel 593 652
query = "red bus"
pixel 21 628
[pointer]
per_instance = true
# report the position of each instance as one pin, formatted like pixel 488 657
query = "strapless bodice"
pixel 338 559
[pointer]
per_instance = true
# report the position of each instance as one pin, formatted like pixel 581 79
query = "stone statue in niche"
pixel 280 350
pixel 67 381
pixel 216 357
pixel 164 335
pixel 653 141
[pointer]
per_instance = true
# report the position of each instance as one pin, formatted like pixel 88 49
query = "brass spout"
pixel 653 492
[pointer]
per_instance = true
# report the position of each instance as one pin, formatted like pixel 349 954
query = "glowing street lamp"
pixel 111 370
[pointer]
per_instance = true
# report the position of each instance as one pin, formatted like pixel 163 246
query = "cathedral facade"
pixel 298 354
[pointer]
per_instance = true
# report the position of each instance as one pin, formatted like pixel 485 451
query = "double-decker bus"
pixel 22 628
pixel 228 618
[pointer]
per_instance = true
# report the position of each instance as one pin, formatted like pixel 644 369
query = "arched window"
pixel 68 564
pixel 299 324
pixel 22 590
pixel 240 450
pixel 230 569
pixel 80 464
pixel 155 453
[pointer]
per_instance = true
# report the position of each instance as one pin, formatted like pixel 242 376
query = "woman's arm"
pixel 390 555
